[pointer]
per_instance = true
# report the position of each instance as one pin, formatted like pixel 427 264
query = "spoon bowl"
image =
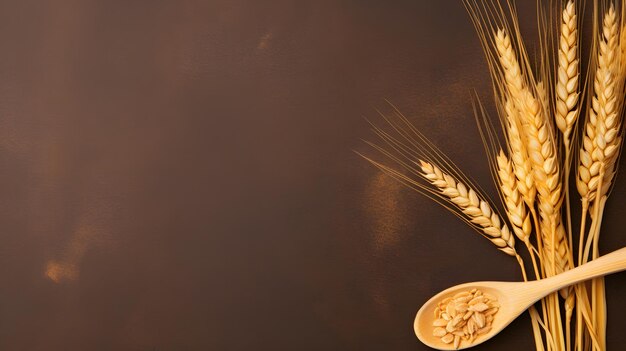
pixel 514 298
pixel 501 290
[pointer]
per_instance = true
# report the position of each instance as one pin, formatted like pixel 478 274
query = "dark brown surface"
pixel 180 175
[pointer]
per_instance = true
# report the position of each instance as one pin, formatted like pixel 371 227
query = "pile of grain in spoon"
pixel 464 317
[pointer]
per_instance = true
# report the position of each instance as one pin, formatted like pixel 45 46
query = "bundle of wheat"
pixel 538 104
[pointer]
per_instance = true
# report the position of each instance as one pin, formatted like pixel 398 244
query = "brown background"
pixel 180 175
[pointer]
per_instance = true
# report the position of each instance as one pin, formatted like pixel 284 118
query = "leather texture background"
pixel 181 175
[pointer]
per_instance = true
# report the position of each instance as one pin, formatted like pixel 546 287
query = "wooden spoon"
pixel 513 297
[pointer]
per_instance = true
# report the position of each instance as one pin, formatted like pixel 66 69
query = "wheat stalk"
pixel 472 205
pixel 566 87
pixel 623 49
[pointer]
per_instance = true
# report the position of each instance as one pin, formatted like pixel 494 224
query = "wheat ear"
pixel 519 157
pixel 567 74
pixel 545 170
pixel 515 206
pixel 543 156
pixel 472 205
pixel 540 146
pixel 601 139
pixel 555 257
pixel 513 79
pixel 600 149
pixel 517 91
pixel 541 151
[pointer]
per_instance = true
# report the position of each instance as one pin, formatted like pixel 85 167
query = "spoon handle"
pixel 607 264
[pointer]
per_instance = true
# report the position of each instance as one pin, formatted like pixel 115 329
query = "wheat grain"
pixel 471 204
pixel 462 321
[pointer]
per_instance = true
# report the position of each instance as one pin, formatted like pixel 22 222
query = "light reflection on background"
pixel 383 206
